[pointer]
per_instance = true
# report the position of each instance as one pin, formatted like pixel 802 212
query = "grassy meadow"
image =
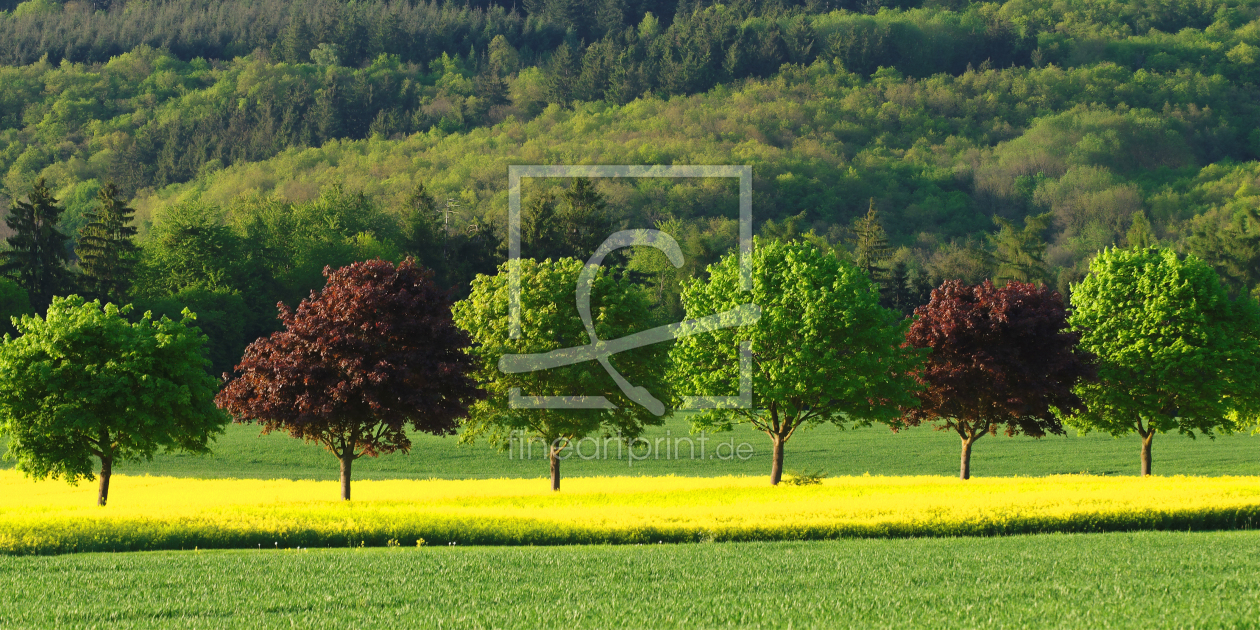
pixel 1123 580
pixel 242 453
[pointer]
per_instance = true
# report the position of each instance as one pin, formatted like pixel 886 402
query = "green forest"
pixel 222 154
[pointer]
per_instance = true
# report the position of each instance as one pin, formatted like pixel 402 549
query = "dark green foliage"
pixel 870 243
pixel 37 251
pixel 1018 255
pixel 582 222
pixel 107 256
pixel 14 302
pixel 1233 249
pixel 423 231
pixel 221 314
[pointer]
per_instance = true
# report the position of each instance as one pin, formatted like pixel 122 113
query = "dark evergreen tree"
pixel 38 251
pixel 490 90
pixel 562 75
pixel 107 255
pixel 421 228
pixel 895 292
pixel 870 243
pixel 540 238
pixel 584 223
pixel 1018 254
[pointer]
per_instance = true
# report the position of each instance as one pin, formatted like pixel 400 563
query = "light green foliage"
pixel 824 349
pixel 1155 579
pixel 550 321
pixel 1175 353
pixel 85 383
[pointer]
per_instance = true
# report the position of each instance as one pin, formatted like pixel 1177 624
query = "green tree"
pixel 550 321
pixel 1232 249
pixel 583 221
pixel 86 383
pixel 541 235
pixel 37 253
pixel 870 243
pixel 824 350
pixel 562 74
pixel 1175 353
pixel 1019 254
pixel 422 232
pixel 1141 234
pixel 107 256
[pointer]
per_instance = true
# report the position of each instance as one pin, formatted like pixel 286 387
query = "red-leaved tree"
pixel 1001 357
pixel 373 352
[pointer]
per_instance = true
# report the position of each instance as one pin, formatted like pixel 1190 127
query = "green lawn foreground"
pixel 1126 580
pixel 241 453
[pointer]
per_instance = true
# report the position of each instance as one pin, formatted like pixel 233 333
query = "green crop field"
pixel 1138 580
pixel 241 453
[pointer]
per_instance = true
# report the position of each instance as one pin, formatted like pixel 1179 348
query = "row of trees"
pixel 1153 344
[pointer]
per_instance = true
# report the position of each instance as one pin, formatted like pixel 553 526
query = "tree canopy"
pixel 373 353
pixel 84 383
pixel 1175 353
pixel 822 351
pixel 550 321
pixel 1000 357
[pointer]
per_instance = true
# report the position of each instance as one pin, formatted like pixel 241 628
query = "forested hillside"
pixel 259 140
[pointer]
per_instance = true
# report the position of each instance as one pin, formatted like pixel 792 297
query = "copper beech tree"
pixel 1001 357
pixel 373 353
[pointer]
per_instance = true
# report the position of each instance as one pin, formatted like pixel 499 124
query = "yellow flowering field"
pixel 173 513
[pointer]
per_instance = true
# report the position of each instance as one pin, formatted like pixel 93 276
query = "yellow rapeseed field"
pixel 171 513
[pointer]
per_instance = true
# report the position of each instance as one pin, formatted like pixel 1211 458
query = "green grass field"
pixel 242 453
pixel 1138 580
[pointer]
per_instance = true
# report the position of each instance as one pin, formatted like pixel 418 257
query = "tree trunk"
pixel 555 469
pixel 107 469
pixel 1146 452
pixel 346 461
pixel 776 467
pixel 964 469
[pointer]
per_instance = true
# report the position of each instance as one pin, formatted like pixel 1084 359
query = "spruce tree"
pixel 1018 254
pixel 584 222
pixel 107 256
pixel 422 229
pixel 870 243
pixel 37 253
pixel 1140 234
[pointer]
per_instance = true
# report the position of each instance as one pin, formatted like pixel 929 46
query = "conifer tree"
pixel 421 228
pixel 870 243
pixel 584 222
pixel 562 75
pixel 1140 234
pixel 37 253
pixel 107 256
pixel 1018 254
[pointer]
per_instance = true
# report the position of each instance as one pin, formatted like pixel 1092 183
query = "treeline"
pixel 940 158
pixel 230 265
pixel 148 113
